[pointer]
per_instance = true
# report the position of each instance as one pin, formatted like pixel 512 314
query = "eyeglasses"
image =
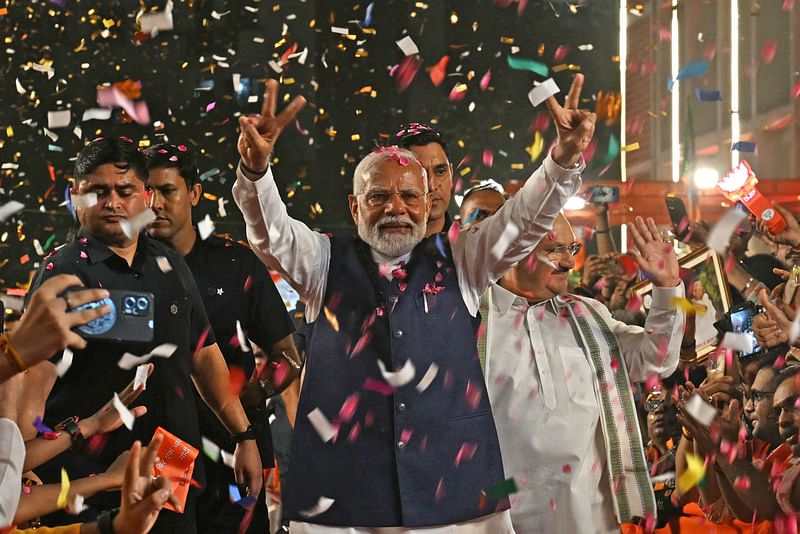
pixel 378 199
pixel 556 253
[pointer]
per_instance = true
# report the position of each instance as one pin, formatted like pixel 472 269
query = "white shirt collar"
pixel 503 300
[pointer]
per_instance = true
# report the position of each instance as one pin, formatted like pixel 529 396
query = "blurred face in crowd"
pixel 440 177
pixel 544 275
pixel 697 290
pixel 120 195
pixel 480 205
pixel 172 200
pixel 758 409
pixel 785 399
pixel 391 210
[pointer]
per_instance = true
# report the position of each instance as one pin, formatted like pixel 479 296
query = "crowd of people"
pixel 449 376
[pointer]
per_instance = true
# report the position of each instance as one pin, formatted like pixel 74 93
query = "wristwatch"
pixel 243 436
pixel 70 426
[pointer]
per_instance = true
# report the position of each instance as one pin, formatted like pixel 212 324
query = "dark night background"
pixel 184 70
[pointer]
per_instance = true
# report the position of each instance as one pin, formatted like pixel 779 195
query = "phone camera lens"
pixel 129 304
pixel 143 303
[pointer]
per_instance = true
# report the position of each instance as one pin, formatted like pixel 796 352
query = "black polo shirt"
pixel 94 377
pixel 236 286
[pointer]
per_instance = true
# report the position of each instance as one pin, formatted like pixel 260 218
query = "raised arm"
pixel 490 248
pixel 285 244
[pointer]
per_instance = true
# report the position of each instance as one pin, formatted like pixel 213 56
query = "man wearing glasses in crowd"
pixel 558 371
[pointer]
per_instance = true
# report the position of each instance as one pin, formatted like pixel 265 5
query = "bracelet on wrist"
pixel 11 353
pixel 247 435
pixel 105 521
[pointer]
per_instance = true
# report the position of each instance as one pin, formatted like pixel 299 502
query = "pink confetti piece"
pixel 465 453
pixel 112 97
pixel 788 5
pixel 566 469
pixel 382 388
pixel 521 7
pixel 299 128
pixel 211 106
pixel 561 53
pixel 452 233
pixel 406 72
pixel 405 435
pixel 488 158
pixel 439 493
pixel 362 343
pixel 614 364
pixel 634 303
pixel 553 505
pixel 486 79
pixel 458 92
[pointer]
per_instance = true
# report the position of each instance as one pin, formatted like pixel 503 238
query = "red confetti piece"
pixel 768 51
pixel 465 453
pixel 521 7
pixel 362 343
pixel 488 158
pixel 458 92
pixel 566 469
pixel 349 406
pixel 473 395
pixel 553 505
pixel 439 71
pixel 370 384
pixel 486 79
pixel 236 380
pixel 405 435
pixel 354 433
pixel 452 233
pixel 614 364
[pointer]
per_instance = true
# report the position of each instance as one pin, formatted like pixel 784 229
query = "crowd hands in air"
pixel 720 439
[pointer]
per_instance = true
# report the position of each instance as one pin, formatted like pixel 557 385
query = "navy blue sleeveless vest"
pixel 401 457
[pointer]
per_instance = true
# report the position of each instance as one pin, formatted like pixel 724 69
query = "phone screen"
pixel 678 216
pixel 604 194
pixel 742 323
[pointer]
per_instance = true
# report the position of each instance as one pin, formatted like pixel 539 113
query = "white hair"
pixel 368 166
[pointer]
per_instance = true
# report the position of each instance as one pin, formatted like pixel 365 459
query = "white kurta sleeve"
pixel 287 245
pixel 484 252
pixel 656 348
pixel 12 456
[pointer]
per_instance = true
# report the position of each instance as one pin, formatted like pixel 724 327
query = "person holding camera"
pixel 110 252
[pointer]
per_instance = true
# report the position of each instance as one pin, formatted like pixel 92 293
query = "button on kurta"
pixel 397 334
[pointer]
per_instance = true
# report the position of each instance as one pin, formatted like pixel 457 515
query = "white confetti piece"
pixel 228 458
pixel 427 378
pixel 58 119
pixel 737 341
pixel 10 208
pixel 720 235
pixel 221 207
pixel 163 264
pixel 210 448
pixel 96 114
pixel 141 377
pixel 129 361
pixel 52 135
pixel 205 227
pixel 794 330
pixel 321 424
pixel 20 88
pixel 153 23
pixel 64 363
pixel 112 97
pixel 84 201
pixel 339 30
pixel 124 413
pixel 322 506
pixel 700 410
pixel 408 46
pixel 399 378
pixel 137 223
pixel 243 343
pixel 76 506
pixel 543 91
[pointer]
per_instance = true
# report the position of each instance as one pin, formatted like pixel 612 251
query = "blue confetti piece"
pixel 708 96
pixel 236 497
pixel 368 15
pixel 40 426
pixel 440 245
pixel 692 70
pixel 744 146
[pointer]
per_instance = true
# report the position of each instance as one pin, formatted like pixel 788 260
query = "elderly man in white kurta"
pixel 559 370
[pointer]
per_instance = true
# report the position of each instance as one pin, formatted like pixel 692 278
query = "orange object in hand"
pixel 739 185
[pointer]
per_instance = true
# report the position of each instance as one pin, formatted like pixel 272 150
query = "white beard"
pixel 391 245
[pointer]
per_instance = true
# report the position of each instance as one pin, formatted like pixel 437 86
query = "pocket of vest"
pixel 467 417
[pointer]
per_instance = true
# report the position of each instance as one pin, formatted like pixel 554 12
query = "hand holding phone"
pixel 130 318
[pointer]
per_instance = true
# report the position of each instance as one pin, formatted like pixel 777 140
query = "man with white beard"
pixel 394 432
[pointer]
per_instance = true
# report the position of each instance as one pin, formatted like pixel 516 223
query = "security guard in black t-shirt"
pixel 242 304
pixel 109 252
